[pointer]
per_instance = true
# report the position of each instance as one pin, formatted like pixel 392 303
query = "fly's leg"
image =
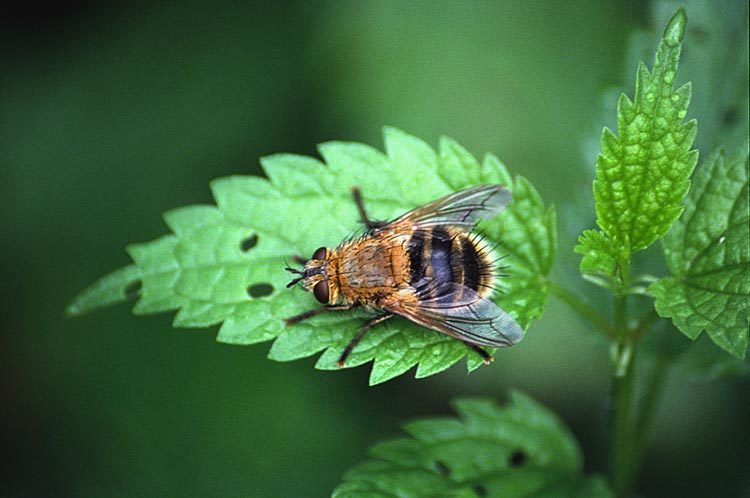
pixel 370 224
pixel 486 357
pixel 317 311
pixel 360 333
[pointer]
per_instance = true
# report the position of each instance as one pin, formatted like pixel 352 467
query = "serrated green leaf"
pixel 601 256
pixel 117 287
pixel 717 65
pixel 221 259
pixel 521 449
pixel 643 173
pixel 708 252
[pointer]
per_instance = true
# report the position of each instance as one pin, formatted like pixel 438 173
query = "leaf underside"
pixel 521 449
pixel 643 174
pixel 708 252
pixel 224 264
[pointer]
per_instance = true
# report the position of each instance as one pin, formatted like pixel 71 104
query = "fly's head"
pixel 315 278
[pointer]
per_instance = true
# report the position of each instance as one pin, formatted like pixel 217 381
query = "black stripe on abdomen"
pixel 415 250
pixel 440 259
pixel 470 263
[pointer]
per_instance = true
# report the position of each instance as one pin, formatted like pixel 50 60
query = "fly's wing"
pixel 461 209
pixel 458 311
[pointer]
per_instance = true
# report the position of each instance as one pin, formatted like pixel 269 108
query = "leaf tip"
pixel 376 379
pixel 392 132
pixel 73 309
pixel 674 33
pixel 119 286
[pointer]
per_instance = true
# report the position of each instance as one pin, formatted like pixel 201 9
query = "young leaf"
pixel 224 264
pixel 522 449
pixel 717 64
pixel 643 174
pixel 708 252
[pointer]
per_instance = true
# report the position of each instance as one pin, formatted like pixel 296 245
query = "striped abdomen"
pixel 446 255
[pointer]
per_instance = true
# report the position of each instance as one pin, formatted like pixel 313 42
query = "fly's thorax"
pixel 372 266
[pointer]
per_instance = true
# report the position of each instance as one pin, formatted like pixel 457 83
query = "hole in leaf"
pixel 442 468
pixel 517 459
pixel 731 116
pixel 133 290
pixel 479 490
pixel 249 242
pixel 259 290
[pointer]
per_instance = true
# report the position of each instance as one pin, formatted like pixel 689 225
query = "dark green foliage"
pixel 708 251
pixel 520 450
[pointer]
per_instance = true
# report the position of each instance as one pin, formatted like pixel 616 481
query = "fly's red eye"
pixel 320 253
pixel 320 291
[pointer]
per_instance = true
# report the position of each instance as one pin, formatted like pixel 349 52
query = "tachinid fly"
pixel 425 266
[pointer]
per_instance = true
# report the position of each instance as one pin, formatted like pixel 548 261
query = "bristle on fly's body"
pixel 489 269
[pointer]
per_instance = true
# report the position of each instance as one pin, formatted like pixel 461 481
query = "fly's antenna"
pixel 294 281
pixel 293 271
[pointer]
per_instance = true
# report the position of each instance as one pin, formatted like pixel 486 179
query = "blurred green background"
pixel 112 114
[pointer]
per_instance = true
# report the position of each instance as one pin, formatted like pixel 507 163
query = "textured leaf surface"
pixel 708 252
pixel 716 64
pixel 522 449
pixel 224 264
pixel 643 174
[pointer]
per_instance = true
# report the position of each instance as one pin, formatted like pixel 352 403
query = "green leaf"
pixel 601 256
pixel 522 449
pixel 224 264
pixel 716 63
pixel 643 174
pixel 708 252
pixel 117 287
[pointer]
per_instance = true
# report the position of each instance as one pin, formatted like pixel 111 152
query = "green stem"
pixel 582 308
pixel 645 324
pixel 623 393
pixel 631 426
pixel 650 404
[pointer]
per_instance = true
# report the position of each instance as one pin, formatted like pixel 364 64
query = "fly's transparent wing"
pixel 459 312
pixel 461 209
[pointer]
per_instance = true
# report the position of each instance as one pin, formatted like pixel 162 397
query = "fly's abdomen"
pixel 445 255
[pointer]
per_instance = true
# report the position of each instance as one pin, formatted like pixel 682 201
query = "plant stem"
pixel 582 308
pixel 623 393
pixel 650 404
pixel 645 324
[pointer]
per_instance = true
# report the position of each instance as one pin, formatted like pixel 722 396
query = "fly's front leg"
pixel 360 333
pixel 370 224
pixel 317 311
